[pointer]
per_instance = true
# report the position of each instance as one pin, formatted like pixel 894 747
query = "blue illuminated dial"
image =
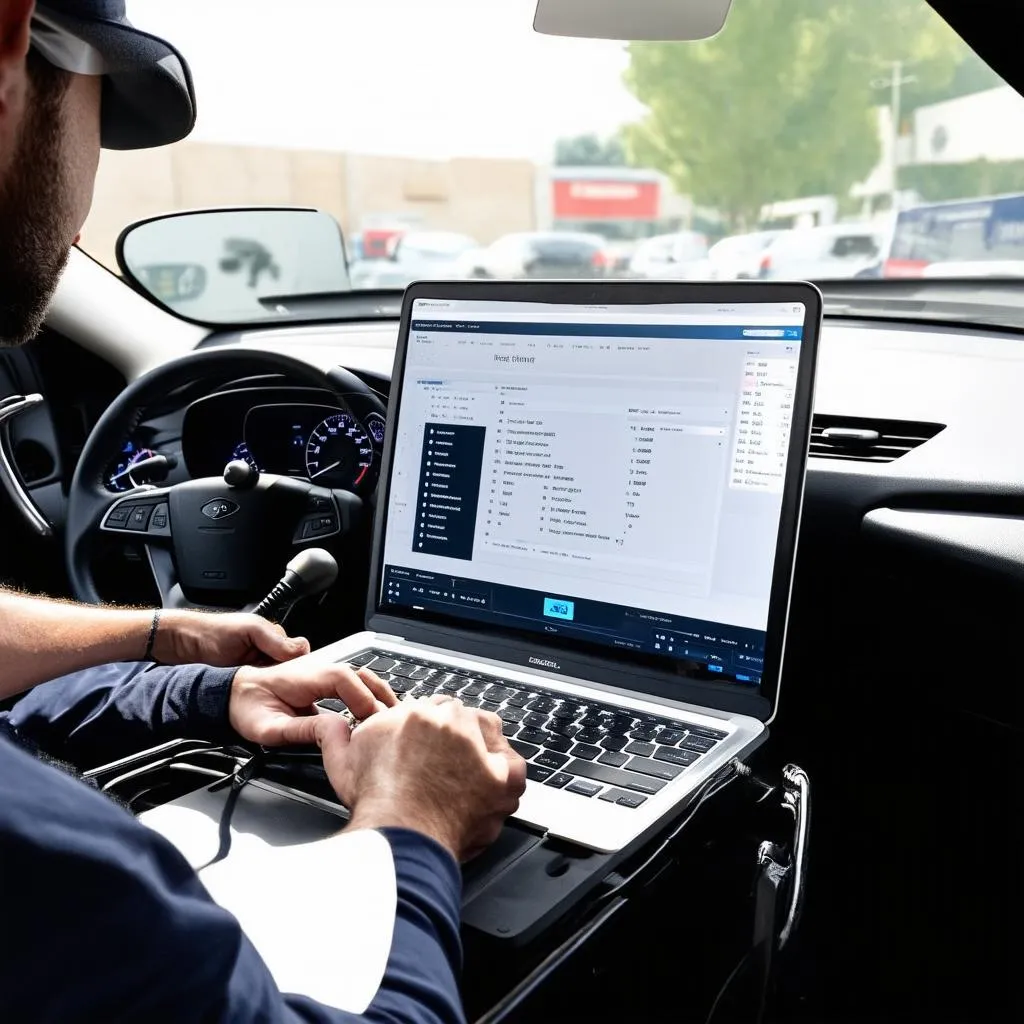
pixel 375 425
pixel 241 452
pixel 119 476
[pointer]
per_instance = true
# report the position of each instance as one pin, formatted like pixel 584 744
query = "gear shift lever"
pixel 310 572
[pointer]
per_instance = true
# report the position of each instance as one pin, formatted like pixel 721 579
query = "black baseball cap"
pixel 147 97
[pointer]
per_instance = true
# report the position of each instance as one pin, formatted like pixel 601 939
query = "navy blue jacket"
pixel 102 919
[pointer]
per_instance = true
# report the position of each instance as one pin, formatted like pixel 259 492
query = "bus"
pixel 963 238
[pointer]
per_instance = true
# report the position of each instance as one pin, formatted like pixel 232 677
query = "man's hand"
pixel 223 639
pixel 273 706
pixel 434 766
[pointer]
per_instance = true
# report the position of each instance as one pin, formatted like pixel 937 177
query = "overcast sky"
pixel 430 78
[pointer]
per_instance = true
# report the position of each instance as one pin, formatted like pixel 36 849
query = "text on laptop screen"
pixel 610 475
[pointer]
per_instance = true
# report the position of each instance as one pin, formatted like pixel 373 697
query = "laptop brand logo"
pixel 544 663
pixel 219 508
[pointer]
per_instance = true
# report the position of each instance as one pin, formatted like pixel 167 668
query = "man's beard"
pixel 33 230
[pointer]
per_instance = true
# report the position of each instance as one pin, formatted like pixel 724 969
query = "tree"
pixel 780 104
pixel 590 151
pixel 972 74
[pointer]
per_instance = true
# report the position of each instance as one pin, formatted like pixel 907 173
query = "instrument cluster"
pixel 316 440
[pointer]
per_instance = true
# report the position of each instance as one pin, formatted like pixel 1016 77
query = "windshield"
pixel 820 139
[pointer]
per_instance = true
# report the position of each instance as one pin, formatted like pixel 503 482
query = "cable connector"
pixel 744 771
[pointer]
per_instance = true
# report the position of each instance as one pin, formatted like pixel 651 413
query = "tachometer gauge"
pixel 339 452
pixel 119 476
pixel 375 425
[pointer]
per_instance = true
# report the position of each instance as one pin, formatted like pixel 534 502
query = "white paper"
pixel 319 908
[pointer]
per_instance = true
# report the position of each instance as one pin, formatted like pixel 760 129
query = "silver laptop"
pixel 586 522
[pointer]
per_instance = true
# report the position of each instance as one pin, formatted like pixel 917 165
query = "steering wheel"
pixel 216 541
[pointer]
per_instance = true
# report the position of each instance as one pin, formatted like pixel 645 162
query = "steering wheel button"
pixel 118 515
pixel 139 518
pixel 158 523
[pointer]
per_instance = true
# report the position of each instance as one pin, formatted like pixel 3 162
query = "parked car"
pixel 982 237
pixel 542 254
pixel 833 251
pixel 682 256
pixel 738 257
pixel 618 258
pixel 417 255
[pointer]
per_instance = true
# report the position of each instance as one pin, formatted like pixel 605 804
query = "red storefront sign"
pixel 594 199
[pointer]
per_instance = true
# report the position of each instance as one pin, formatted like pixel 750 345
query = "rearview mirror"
pixel 236 265
pixel 631 19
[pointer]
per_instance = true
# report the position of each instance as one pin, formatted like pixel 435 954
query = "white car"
pixel 738 257
pixel 415 256
pixel 682 256
pixel 835 251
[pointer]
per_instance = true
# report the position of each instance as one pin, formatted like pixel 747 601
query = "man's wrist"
pixel 178 637
pixel 385 814
pixel 127 636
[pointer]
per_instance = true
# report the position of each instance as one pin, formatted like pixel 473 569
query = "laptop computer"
pixel 586 521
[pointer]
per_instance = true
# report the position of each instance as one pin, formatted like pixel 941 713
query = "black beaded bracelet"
pixel 148 656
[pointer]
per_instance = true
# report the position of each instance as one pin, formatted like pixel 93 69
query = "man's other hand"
pixel 273 706
pixel 224 639
pixel 434 766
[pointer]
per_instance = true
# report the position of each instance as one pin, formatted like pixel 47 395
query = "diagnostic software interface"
pixel 610 474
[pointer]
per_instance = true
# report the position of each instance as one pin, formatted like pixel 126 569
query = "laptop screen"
pixel 607 476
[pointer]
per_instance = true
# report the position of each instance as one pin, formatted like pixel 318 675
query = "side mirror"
pixel 234 265
pixel 631 19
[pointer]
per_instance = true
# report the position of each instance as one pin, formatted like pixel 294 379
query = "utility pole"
pixel 894 82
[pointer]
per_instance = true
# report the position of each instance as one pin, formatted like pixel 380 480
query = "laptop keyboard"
pixel 576 744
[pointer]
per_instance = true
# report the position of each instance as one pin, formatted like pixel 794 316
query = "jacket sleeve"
pixel 98 715
pixel 119 914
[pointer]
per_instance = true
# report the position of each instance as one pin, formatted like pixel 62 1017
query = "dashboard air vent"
pixel 864 440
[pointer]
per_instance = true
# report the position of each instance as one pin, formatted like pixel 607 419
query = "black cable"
pixel 243 775
pixel 727 984
pixel 172 763
pixel 715 784
pixel 546 968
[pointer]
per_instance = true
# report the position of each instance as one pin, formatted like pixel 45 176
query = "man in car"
pixel 102 918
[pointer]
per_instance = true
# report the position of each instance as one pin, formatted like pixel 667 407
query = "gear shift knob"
pixel 310 572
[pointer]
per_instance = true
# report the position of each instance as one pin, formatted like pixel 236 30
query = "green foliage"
pixel 938 182
pixel 590 151
pixel 779 104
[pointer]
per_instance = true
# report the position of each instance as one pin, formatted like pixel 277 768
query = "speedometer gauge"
pixel 339 452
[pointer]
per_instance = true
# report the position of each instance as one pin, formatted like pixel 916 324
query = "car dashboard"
pixel 911 443
pixel 900 694
pixel 301 432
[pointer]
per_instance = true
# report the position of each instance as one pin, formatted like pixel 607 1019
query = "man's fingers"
pixel 353 690
pixel 516 773
pixel 378 687
pixel 333 735
pixel 274 642
pixel 286 731
pixel 490 728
